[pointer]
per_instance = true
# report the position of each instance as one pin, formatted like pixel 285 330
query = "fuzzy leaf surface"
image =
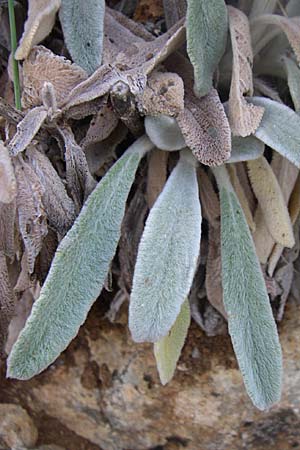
pixel 167 255
pixel 168 349
pixel 82 24
pixel 78 271
pixel 245 149
pixel 279 128
pixel 250 319
pixel 207 25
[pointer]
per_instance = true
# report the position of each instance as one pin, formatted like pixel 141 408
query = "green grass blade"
pixel 13 40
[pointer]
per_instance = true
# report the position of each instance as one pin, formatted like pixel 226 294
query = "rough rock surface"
pixel 104 393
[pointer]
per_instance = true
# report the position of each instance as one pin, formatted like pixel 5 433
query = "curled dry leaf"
pixel 163 94
pixel 43 66
pixel 271 200
pixel 7 302
pixel 7 228
pixel 40 21
pixel 124 104
pixel 27 129
pixel 101 126
pixel 209 200
pixel 205 128
pixel 8 185
pixel 244 117
pixel 79 179
pixel 213 277
pixel 59 207
pixel 174 11
pixel 290 26
pixel 31 214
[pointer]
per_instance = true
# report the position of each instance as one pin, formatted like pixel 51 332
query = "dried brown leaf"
pixel 27 129
pixel 174 11
pixel 263 89
pixel 8 185
pixel 290 26
pixel 58 206
pixel 46 255
pixel 205 128
pixel 7 302
pixel 31 214
pixel 210 203
pixel 101 126
pixel 79 179
pixel 244 117
pixel 43 66
pixel 40 21
pixel 163 94
pixel 271 200
pixel 7 228
pixel 126 25
pixel 157 175
pixel 213 279
pixel 241 196
pixel 241 170
pixel 284 277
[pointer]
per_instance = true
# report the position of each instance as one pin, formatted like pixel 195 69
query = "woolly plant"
pixel 171 103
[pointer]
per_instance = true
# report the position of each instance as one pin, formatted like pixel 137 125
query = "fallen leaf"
pixel 244 118
pixel 40 21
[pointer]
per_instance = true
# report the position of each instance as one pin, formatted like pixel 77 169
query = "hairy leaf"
pixel 244 117
pixel 168 349
pixel 271 200
pixel 40 21
pixel 260 7
pixel 43 66
pixel 8 185
pixel 241 195
pixel 250 319
pixel 205 128
pixel 78 271
pixel 164 132
pixel 245 149
pixel 7 302
pixel 207 25
pixel 279 129
pixel 59 207
pixel 7 228
pixel 27 129
pixel 31 213
pixel 167 255
pixel 293 79
pixel 82 24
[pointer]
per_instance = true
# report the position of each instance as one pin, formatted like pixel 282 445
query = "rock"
pixel 17 429
pixel 105 390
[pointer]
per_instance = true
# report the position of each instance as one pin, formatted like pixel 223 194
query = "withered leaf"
pixel 79 179
pixel 263 89
pixel 163 94
pixel 101 126
pixel 244 117
pixel 157 175
pixel 42 66
pixel 213 278
pixel 46 256
pixel 271 200
pixel 293 79
pixel 40 21
pixel 290 26
pixel 8 185
pixel 27 129
pixel 209 199
pixel 174 11
pixel 31 214
pixel 124 25
pixel 59 207
pixel 7 228
pixel 7 302
pixel 205 128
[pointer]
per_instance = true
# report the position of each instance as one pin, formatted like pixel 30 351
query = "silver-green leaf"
pixel 250 319
pixel 167 255
pixel 78 271
pixel 164 132
pixel 207 25
pixel 279 128
pixel 168 349
pixel 82 23
pixel 245 149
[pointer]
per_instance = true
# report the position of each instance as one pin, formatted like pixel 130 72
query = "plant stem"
pixel 13 40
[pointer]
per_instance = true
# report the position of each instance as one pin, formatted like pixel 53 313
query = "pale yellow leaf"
pixel 8 185
pixel 244 117
pixel 39 23
pixel 271 200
